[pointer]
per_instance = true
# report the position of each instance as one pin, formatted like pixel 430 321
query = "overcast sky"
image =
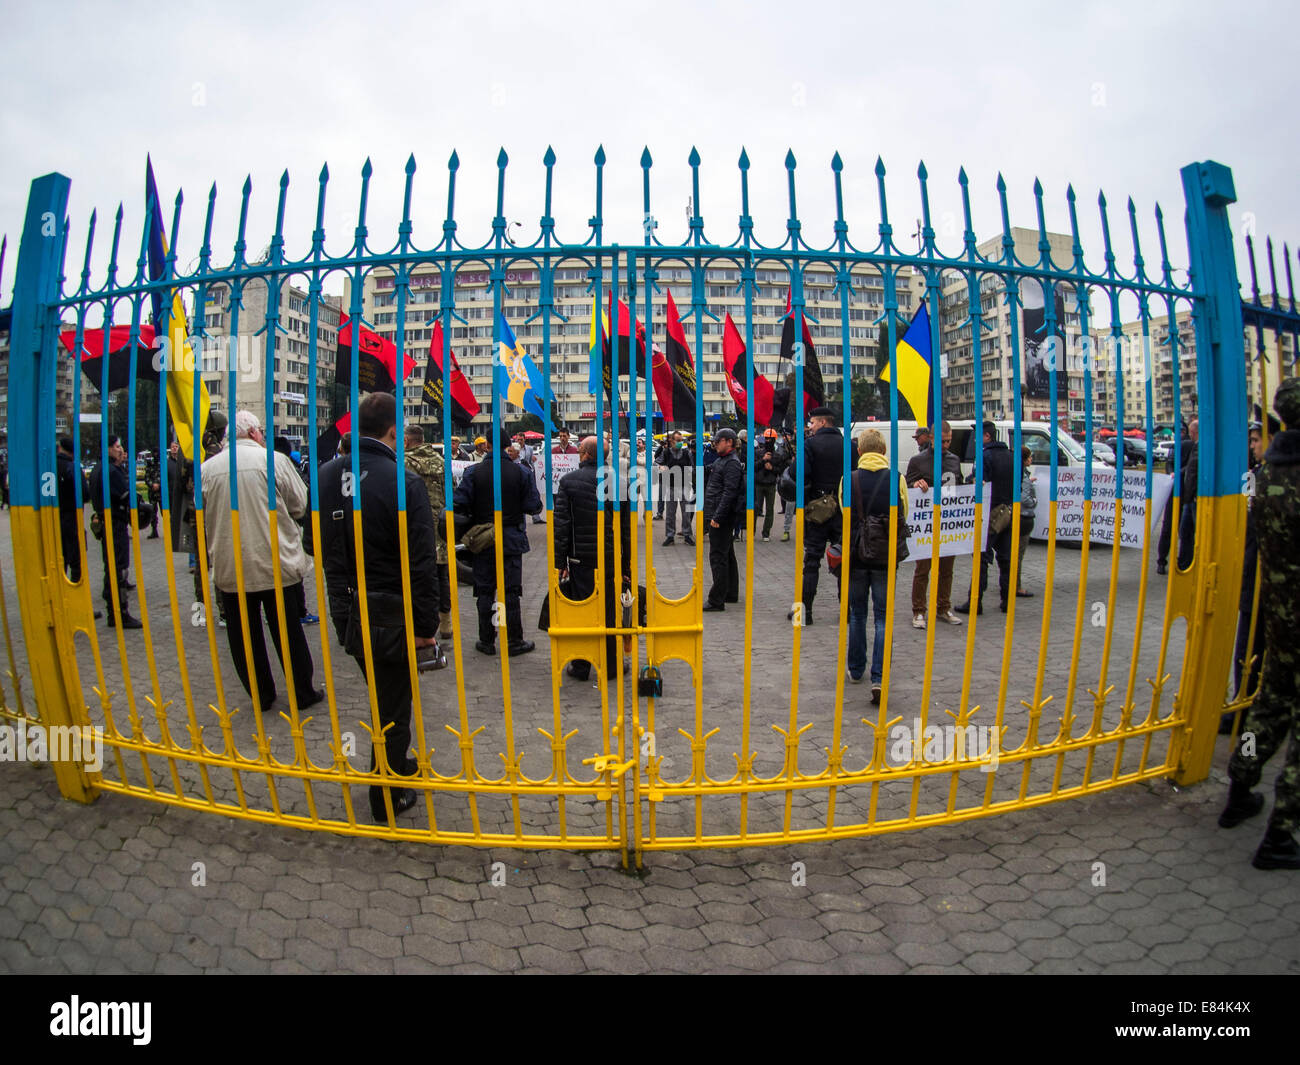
pixel 1113 96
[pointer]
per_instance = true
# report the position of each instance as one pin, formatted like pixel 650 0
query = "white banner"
pixel 956 520
pixel 560 465
pixel 1070 483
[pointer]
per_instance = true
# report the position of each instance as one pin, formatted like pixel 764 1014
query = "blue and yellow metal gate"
pixel 1033 714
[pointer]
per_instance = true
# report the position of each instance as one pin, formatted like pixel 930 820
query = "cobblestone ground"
pixel 1139 879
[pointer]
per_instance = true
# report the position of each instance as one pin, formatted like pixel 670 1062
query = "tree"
pixel 866 399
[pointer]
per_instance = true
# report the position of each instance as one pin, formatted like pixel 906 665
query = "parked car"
pixel 1103 452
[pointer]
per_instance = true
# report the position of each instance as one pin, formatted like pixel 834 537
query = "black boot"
pixel 1242 804
pixel 1277 850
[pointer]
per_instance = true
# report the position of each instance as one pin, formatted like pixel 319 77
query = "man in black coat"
pixel 119 514
pixel 70 520
pixel 474 502
pixel 768 464
pixel 377 422
pixel 676 481
pixel 576 547
pixel 723 500
pixel 1187 511
pixel 823 468
pixel 999 472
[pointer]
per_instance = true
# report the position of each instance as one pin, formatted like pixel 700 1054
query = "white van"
pixel 1037 436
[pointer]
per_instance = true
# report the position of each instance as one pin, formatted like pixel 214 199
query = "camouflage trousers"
pixel 1272 720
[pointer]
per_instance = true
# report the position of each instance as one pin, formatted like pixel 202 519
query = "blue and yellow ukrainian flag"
pixel 596 347
pixel 180 358
pixel 519 381
pixel 914 366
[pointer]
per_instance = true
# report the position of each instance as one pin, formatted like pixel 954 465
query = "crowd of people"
pixel 408 574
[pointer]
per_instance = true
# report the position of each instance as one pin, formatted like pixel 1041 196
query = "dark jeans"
pixel 1186 533
pixel 300 663
pixel 444 588
pixel 765 506
pixel 722 564
pixel 999 548
pixel 815 539
pixel 485 588
pixel 122 553
pixel 582 581
pixel 393 697
pixel 72 539
pixel 864 584
pixel 688 518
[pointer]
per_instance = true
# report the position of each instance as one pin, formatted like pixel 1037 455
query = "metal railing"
pixel 616 789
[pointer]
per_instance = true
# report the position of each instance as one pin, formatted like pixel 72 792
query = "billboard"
pixel 1042 352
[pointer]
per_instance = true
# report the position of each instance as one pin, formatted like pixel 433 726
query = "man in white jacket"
pixel 250 455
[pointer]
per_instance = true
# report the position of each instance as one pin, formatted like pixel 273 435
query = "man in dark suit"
pixel 823 468
pixel 723 500
pixel 474 503
pixel 377 458
pixel 577 548
pixel 119 514
pixel 999 474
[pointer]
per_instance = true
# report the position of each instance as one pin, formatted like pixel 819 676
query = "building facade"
pixel 472 338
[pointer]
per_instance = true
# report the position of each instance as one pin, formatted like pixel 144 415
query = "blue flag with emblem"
pixel 518 379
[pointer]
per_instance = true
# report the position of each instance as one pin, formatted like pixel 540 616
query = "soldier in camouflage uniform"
pixel 1275 716
pixel 425 461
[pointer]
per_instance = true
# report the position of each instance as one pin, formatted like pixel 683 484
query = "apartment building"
pixel 471 339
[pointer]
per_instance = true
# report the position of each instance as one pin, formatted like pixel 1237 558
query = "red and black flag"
pixel 464 406
pixel 673 372
pixel 120 350
pixel 735 360
pixel 814 388
pixel 327 444
pixel 621 326
pixel 376 360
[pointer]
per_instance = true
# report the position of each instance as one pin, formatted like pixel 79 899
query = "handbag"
pixel 1000 519
pixel 823 508
pixel 479 538
pixel 387 628
pixel 869 539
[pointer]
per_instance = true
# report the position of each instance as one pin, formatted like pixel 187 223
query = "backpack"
pixel 869 533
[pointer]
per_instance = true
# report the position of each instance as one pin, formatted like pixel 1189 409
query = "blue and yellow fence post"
pixel 34 498
pixel 1221 459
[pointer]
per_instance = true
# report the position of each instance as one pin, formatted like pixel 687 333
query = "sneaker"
pixel 310 619
pixel 875 693
pixel 950 618
pixel 852 678
pixel 668 541
pixel 221 622
pixel 918 621
pixel 767 539
pixel 690 542
pixel 784 537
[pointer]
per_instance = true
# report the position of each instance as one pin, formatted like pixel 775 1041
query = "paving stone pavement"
pixel 1137 880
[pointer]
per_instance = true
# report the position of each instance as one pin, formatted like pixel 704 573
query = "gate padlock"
pixel 650 682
